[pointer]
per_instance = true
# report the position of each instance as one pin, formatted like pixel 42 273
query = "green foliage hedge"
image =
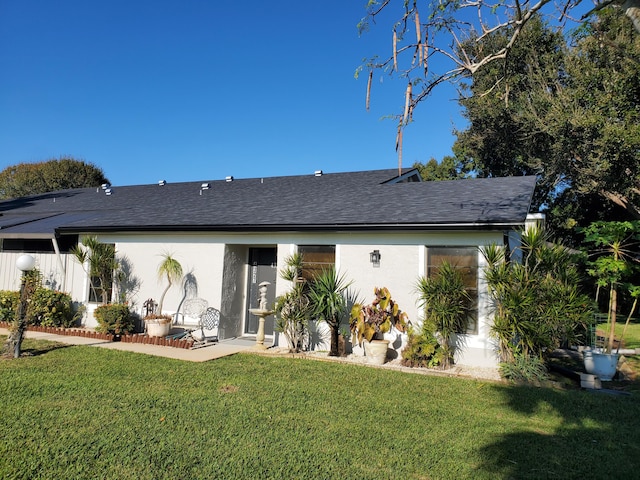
pixel 51 308
pixel 48 308
pixel 114 318
pixel 8 305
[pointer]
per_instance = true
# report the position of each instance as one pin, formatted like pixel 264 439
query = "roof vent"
pixel 162 183
pixel 205 186
pixel 318 173
pixel 105 186
pixel 229 178
pixel 107 191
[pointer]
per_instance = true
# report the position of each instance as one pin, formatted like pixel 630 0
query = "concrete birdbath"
pixel 262 312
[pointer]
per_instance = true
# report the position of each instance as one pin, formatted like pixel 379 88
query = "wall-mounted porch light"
pixel 374 257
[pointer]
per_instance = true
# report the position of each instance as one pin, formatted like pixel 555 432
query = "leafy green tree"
pixel 568 114
pixel 449 168
pixel 48 176
pixel 435 42
pixel 614 260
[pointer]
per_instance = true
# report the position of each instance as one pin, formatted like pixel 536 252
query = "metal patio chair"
pixel 208 332
pixel 205 332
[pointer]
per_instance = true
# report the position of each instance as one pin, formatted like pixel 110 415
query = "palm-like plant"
pixel 170 269
pixel 446 305
pixel 329 302
pixel 538 304
pixel 616 244
pixel 102 263
pixel 294 307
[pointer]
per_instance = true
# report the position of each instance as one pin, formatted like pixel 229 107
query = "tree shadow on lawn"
pixel 34 349
pixel 598 436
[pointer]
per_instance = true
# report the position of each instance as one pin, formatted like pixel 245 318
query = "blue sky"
pixel 200 89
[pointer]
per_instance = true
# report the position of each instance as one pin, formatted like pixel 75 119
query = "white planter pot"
pixel 376 351
pixel 602 365
pixel 156 329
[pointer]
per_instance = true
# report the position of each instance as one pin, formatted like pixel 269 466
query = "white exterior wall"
pixel 205 256
pixel 61 273
pixel 202 259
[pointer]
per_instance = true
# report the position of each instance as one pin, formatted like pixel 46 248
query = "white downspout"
pixel 60 264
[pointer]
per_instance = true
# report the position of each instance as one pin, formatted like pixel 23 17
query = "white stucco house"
pixel 231 234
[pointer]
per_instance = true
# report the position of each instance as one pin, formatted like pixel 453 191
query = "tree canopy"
pixel 56 174
pixel 566 113
pixel 435 42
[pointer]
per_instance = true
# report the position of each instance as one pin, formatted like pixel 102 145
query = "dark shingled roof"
pixel 344 201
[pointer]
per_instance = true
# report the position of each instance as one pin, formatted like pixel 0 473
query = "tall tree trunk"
pixel 614 307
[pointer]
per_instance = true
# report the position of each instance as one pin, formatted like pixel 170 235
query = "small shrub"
pixel 50 308
pixel 524 368
pixel 114 318
pixel 422 350
pixel 8 305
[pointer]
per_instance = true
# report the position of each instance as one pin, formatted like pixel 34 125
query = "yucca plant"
pixel 292 310
pixel 327 294
pixel 616 246
pixel 446 306
pixel 537 301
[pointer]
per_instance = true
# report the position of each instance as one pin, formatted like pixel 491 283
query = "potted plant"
pixel 157 323
pixel 369 323
pixel 616 244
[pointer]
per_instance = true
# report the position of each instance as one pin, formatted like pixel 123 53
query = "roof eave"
pixel 494 226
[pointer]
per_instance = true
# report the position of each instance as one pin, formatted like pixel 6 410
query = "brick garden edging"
pixel 129 338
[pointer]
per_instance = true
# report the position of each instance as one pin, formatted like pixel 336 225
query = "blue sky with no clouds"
pixel 187 90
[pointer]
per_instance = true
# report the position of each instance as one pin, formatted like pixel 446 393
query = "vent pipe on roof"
pixel 318 173
pixel 162 183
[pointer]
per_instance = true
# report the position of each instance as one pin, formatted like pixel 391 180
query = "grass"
pixel 632 335
pixel 84 412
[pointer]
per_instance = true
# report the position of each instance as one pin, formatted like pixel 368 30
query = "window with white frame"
pixel 465 260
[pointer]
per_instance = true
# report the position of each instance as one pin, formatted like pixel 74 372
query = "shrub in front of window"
pixel 446 306
pixel 114 318
pixel 538 303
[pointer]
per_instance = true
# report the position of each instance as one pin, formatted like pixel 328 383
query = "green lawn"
pixel 85 412
pixel 632 335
